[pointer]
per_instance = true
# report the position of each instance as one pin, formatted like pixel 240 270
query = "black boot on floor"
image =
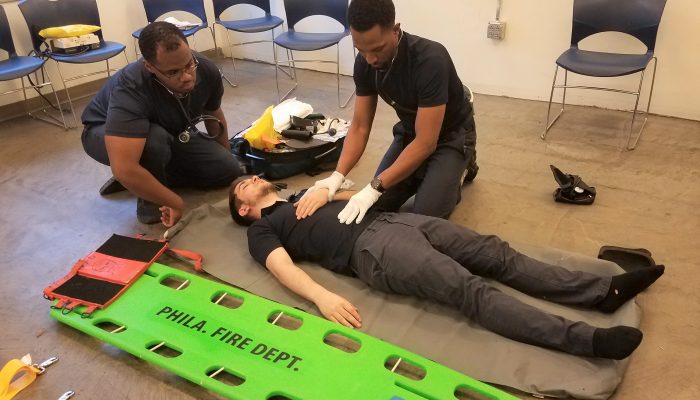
pixel 628 259
pixel 146 212
pixel 111 186
pixel 470 172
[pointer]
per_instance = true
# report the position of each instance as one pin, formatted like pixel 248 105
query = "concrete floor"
pixel 52 215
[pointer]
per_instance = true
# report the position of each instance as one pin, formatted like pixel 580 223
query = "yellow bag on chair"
pixel 68 31
pixel 262 134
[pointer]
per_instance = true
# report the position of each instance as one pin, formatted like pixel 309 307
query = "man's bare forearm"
pixel 358 133
pixel 353 148
pixel 292 277
pixel 408 161
pixel 143 184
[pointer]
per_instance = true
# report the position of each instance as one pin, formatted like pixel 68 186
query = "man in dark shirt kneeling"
pixel 144 121
pixel 430 258
pixel 433 148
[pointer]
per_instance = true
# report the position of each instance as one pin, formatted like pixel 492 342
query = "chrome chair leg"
pixel 48 118
pixel 337 63
pixel 233 83
pixel 60 109
pixel 296 82
pixel 651 89
pixel 24 94
pixel 277 80
pixel 216 52
pixel 293 65
pixel 633 145
pixel 548 124
pixel 213 36
pixel 274 50
pixel 65 87
pixel 566 85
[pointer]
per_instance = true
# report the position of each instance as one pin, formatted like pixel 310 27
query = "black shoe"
pixel 470 173
pixel 628 259
pixel 111 186
pixel 147 212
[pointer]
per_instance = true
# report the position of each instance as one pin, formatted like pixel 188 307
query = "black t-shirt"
pixel 319 238
pixel 422 75
pixel 132 99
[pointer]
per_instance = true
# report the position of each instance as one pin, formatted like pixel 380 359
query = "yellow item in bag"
pixel 262 134
pixel 68 31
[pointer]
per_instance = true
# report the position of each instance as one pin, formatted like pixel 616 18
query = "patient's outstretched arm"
pixel 332 306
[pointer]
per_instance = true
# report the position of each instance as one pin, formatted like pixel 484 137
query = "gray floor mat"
pixel 426 328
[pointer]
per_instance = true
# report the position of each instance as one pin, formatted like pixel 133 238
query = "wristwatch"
pixel 376 184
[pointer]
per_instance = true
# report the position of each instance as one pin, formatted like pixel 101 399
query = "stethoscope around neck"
pixel 379 85
pixel 193 125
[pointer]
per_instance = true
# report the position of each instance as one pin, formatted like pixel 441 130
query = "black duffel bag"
pixel 296 157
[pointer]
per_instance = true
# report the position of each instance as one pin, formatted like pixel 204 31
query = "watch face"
pixel 377 184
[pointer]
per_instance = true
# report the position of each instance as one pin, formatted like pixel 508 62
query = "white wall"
pixel 520 66
pixel 538 31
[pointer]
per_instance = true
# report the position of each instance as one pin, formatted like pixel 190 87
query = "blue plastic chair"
pixel 41 14
pixel 293 40
pixel 17 67
pixel 158 8
pixel 265 23
pixel 638 18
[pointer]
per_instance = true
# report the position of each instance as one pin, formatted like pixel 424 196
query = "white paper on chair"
pixel 184 25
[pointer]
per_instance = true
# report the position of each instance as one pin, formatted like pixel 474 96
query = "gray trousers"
pixel 435 259
pixel 201 163
pixel 440 173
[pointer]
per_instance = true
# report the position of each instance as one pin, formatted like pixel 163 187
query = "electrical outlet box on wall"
pixel 496 30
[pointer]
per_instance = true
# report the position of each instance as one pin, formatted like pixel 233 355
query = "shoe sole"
pixel 111 186
pixel 471 174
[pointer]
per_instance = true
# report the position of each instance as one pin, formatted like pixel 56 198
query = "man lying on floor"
pixel 434 259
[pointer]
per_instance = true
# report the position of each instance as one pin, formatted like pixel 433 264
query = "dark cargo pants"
pixel 436 259
pixel 201 163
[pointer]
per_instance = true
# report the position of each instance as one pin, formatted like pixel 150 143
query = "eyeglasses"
pixel 177 73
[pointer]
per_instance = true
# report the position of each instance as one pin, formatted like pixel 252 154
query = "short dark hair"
pixel 160 34
pixel 363 15
pixel 234 203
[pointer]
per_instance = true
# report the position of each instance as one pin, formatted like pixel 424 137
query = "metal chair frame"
pixel 48 118
pixel 631 145
pixel 341 103
pixel 151 17
pixel 38 49
pixel 234 83
pixel 291 22
pixel 637 18
pixel 9 46
pixel 108 70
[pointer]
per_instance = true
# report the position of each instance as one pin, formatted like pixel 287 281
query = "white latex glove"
pixel 358 205
pixel 332 183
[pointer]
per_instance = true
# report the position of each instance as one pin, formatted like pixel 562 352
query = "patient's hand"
pixel 169 215
pixel 339 310
pixel 311 201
